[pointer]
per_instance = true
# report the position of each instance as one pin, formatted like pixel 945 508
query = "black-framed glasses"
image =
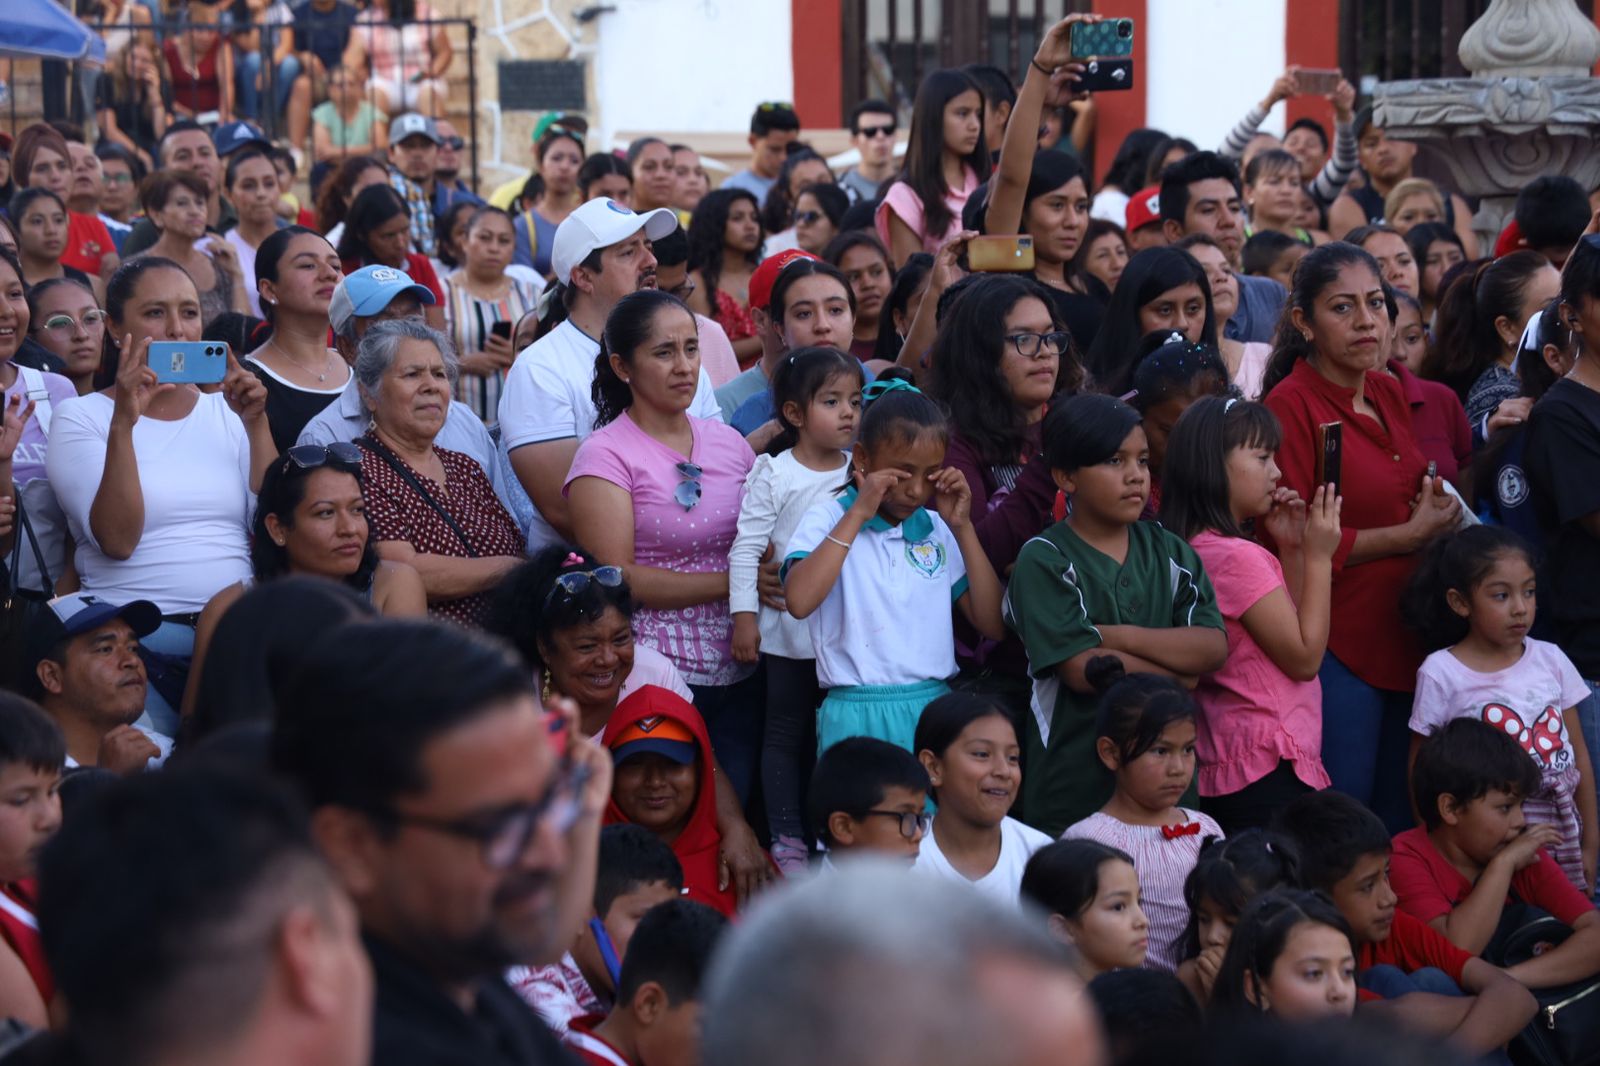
pixel 311 456
pixel 807 218
pixel 877 131
pixel 688 491
pixel 455 144
pixel 504 835
pixel 90 320
pixel 912 823
pixel 1029 345
pixel 573 583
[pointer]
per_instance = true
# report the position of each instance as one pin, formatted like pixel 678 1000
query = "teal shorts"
pixel 888 712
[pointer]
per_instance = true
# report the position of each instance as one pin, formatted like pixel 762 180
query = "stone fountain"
pixel 1530 107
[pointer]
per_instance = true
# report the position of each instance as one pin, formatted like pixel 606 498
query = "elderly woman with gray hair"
pixel 428 506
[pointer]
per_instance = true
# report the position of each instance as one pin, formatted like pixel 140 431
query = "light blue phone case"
pixel 189 362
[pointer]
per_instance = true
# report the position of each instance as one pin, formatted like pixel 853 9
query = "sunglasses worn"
pixel 504 835
pixel 455 144
pixel 571 585
pixel 877 131
pixel 312 456
pixel 807 218
pixel 688 491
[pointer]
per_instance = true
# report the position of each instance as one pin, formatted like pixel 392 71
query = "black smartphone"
pixel 501 329
pixel 1106 75
pixel 1330 442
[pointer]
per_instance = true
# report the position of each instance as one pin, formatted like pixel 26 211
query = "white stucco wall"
pixel 1208 62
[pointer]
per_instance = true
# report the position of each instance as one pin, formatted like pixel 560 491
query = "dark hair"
pixel 1176 369
pixel 1097 228
pixel 240 158
pixel 1580 278
pixel 851 239
pixel 924 160
pixel 354 719
pixel 967 353
pixel 1135 709
pixel 1425 235
pixel 1086 430
pixel 268 257
pixel 29 736
pixel 125 279
pixel 105 373
pixel 831 200
pixel 1132 160
pixel 944 719
pixel 159 187
pixel 1262 249
pixel 447 222
pixel 556 133
pixel 1536 375
pixel 853 776
pixel 768 118
pixel 333 198
pixel 1460 562
pixel 37 292
pixel 631 857
pixel 1138 1006
pixel 627 327
pixel 259 640
pixel 799 378
pixel 1260 937
pixel 778 306
pixel 237 329
pixel 1158 158
pixel 1194 484
pixel 1051 170
pixel 1064 877
pixel 1552 211
pixel 1149 273
pixel 1466 758
pixel 108 151
pixel 524 614
pixel 602 165
pixel 913 273
pixel 870 106
pixel 995 84
pixel 1467 342
pixel 1310 124
pixel 673 249
pixel 1332 832
pixel 165 900
pixel 22 200
pixel 1232 871
pixel 372 207
pixel 1271 161
pixel 671 947
pixel 637 146
pixel 777 211
pixel 1317 270
pixel 1197 166
pixel 708 228
pixel 283 489
pixel 28 143
pixel 903 416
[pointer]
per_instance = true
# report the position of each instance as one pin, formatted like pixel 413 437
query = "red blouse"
pixel 1381 471
pixel 197 89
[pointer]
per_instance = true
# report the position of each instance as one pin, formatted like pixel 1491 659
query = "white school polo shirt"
pixel 886 621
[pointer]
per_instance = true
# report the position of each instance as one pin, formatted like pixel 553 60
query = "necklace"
pixel 320 377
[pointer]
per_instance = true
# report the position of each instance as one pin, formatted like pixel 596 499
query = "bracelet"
pixel 843 544
pixel 1042 70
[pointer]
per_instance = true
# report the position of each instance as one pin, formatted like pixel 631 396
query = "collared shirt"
pixel 1382 469
pixel 416 197
pixel 1437 421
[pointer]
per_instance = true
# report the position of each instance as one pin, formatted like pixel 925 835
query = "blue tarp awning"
pixel 45 28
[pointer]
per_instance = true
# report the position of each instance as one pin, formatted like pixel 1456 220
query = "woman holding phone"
pixel 156 479
pixel 481 305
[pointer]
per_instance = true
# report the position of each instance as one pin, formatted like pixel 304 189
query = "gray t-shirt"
pixel 861 189
pixel 752 183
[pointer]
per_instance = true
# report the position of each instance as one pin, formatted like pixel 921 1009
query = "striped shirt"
pixel 1335 173
pixel 469 319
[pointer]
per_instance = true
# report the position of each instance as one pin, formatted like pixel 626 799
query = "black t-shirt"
pixel 324 34
pixel 131 109
pixel 1562 462
pixel 288 408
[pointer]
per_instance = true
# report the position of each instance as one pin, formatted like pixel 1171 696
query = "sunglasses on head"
pixel 312 456
pixel 877 131
pixel 775 106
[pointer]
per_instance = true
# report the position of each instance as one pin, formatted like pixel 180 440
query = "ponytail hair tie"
pixel 879 389
pixel 572 559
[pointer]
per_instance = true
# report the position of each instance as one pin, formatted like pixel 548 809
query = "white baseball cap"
pixel 600 224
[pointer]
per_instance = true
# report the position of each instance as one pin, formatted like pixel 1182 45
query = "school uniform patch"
pixel 927 556
pixel 1512 487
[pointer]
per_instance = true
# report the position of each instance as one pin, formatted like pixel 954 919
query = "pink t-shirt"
pixel 666 536
pixel 1252 714
pixel 902 200
pixel 716 352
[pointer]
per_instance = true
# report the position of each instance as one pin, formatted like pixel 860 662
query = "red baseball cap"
pixel 1510 240
pixel 766 275
pixel 1144 208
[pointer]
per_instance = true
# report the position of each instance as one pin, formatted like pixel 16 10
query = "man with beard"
pixel 90 679
pixel 448 188
pixel 601 254
pixel 467 842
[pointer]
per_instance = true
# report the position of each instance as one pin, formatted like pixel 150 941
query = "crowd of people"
pixel 1180 645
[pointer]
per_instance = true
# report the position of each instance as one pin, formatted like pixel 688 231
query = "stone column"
pixel 1529 109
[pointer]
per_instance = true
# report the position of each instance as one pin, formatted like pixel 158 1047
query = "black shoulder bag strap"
pixel 377 448
pixel 25 529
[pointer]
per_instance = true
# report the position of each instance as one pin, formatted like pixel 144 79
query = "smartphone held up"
pixel 189 362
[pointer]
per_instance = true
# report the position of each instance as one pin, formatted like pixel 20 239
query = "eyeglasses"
pixel 807 218
pixel 119 178
pixel 573 583
pixel 311 456
pixel 1028 345
pixel 912 823
pixel 688 491
pixel 455 144
pixel 504 836
pixel 91 320
pixel 877 131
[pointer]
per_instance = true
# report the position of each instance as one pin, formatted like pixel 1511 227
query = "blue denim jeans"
pixel 735 717
pixel 170 639
pixel 1366 742
pixel 250 66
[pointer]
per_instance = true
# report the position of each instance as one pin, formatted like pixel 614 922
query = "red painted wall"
pixel 1118 114
pixel 1311 39
pixel 817 47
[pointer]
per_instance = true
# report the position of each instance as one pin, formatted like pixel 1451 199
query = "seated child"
pixel 868 797
pixel 1146 738
pixel 969 748
pixel 32 752
pixel 1344 851
pixel 663 782
pixel 1090 893
pixel 1473 601
pixel 1292 956
pixel 1100 566
pixel 1272 254
pixel 656 1021
pixel 635 872
pixel 1228 875
pixel 1143 1007
pixel 1475 854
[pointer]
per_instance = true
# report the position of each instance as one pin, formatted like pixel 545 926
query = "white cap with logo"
pixel 600 224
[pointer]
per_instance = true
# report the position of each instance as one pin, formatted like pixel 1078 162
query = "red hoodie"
pixel 697 847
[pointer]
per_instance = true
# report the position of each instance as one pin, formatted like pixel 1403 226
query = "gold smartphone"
pixel 1000 254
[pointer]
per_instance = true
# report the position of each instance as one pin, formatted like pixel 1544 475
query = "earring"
pixel 544 694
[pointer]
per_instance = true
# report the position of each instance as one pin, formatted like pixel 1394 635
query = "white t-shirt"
pixel 247 268
pixel 548 395
pixel 195 477
pixel 1003 883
